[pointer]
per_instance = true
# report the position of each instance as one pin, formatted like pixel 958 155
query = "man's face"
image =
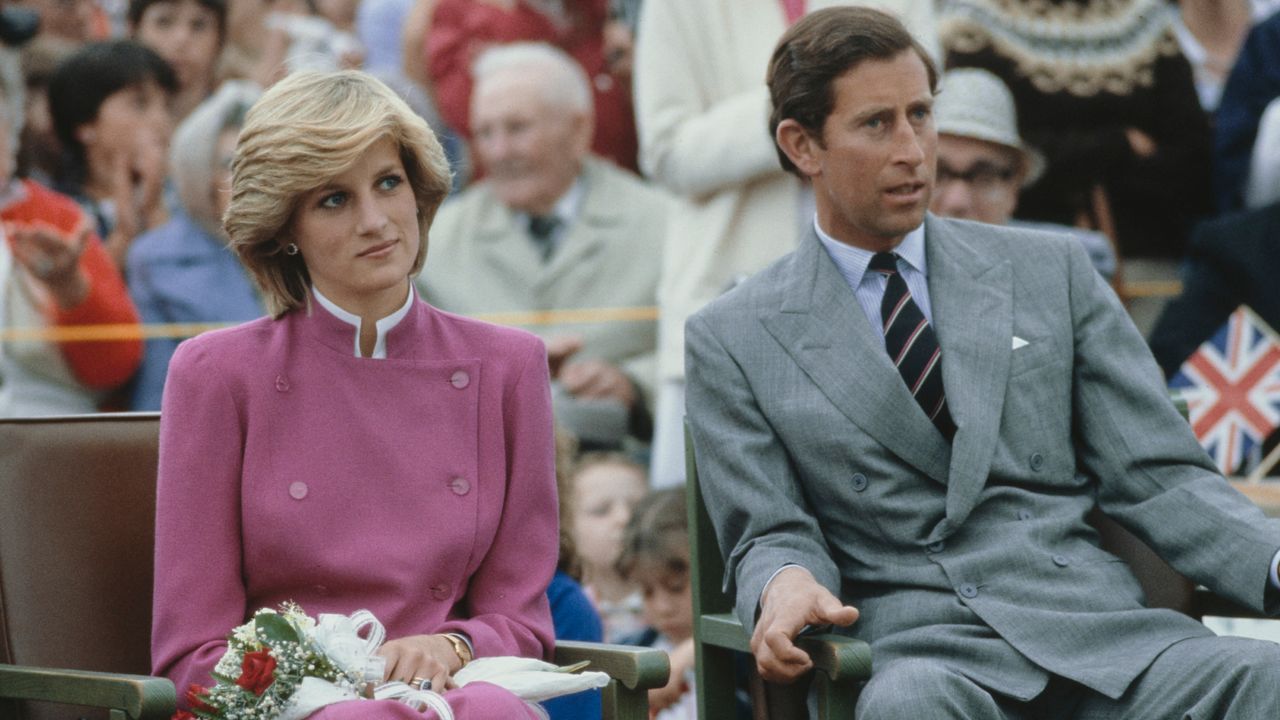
pixel 873 170
pixel 977 180
pixel 530 148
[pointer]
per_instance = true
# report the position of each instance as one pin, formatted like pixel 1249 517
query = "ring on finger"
pixel 420 683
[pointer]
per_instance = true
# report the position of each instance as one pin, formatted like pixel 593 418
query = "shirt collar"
pixel 566 208
pixel 853 261
pixel 382 326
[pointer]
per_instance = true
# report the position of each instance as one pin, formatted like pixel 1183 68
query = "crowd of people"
pixel 594 172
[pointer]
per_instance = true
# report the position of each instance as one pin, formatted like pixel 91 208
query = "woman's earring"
pixel 291 249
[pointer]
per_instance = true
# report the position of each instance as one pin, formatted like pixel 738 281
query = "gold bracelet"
pixel 460 646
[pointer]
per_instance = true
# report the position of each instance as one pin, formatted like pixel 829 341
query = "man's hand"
pixel 598 379
pixel 792 600
pixel 559 349
pixel 54 260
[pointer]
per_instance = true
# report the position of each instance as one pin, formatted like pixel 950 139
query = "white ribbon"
pixel 338 637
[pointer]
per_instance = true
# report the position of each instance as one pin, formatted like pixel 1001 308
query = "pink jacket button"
pixel 460 379
pixel 440 592
pixel 298 490
pixel 459 486
pixel 282 383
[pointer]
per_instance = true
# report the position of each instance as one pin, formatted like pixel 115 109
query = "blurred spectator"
pixel 1232 261
pixel 246 34
pixel 553 228
pixel 309 35
pixel 40 153
pixel 983 163
pixel 109 103
pixel 379 24
pixel 1250 94
pixel 1209 33
pixel 572 613
pixel 54 273
pixel 702 110
pixel 603 491
pixel 1104 92
pixel 460 30
pixel 655 557
pixel 188 34
pixel 182 271
pixel 76 21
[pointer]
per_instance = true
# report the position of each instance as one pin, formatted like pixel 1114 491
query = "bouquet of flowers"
pixel 285 665
pixel 269 657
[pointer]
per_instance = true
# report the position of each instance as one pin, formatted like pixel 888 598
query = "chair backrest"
pixel 77 527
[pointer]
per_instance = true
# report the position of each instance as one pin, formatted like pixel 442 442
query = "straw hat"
pixel 973 103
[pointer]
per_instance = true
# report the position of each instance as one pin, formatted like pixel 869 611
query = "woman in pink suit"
pixel 359 448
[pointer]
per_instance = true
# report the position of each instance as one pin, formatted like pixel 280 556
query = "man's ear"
pixel 800 146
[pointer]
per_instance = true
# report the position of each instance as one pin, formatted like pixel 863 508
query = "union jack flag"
pixel 1232 387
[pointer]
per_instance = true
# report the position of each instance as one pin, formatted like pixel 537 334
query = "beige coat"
pixel 481 261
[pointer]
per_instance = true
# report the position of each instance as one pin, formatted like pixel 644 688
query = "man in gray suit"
pixel 901 426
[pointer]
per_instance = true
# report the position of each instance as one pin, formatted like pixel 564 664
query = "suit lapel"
pixel 825 331
pixel 971 294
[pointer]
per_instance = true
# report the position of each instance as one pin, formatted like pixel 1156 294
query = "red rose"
pixel 257 672
pixel 193 699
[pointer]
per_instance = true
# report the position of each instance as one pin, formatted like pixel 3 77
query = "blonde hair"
pixel 306 130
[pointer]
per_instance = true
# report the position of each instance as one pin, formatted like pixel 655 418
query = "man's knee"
pixel 922 688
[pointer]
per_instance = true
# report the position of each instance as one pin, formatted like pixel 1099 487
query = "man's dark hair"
pixel 820 48
pixel 94 73
pixel 138 8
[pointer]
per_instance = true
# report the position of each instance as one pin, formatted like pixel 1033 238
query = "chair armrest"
pixel 140 697
pixel 843 659
pixel 634 671
pixel 637 668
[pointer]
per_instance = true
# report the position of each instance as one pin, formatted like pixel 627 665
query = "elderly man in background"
pixel 552 228
pixel 983 163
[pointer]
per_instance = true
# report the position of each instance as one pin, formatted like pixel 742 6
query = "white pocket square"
pixel 1019 342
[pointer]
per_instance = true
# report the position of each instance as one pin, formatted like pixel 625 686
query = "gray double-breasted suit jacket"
pixel 812 451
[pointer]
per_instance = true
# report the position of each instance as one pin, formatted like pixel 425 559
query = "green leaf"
pixel 225 680
pixel 274 629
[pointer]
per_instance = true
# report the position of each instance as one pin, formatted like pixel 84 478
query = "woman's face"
pixel 185 34
pixel 129 119
pixel 358 233
pixel 668 604
pixel 603 497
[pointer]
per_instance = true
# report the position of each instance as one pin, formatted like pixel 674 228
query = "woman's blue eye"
pixel 333 200
pixel 390 182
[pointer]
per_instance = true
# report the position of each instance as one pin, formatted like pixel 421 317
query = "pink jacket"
pixel 420 487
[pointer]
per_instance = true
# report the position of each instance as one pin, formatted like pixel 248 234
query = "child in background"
pixel 572 613
pixel 604 489
pixel 655 556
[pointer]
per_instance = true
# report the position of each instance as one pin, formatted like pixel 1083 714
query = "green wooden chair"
pixel 77 518
pixel 841 664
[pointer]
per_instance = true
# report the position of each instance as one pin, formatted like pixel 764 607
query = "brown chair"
pixel 77 519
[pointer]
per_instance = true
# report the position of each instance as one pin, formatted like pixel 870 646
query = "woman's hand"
pixel 426 657
pixel 682 660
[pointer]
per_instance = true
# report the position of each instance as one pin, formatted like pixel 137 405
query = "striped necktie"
pixel 911 344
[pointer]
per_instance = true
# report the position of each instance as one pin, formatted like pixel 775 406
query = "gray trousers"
pixel 1206 678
